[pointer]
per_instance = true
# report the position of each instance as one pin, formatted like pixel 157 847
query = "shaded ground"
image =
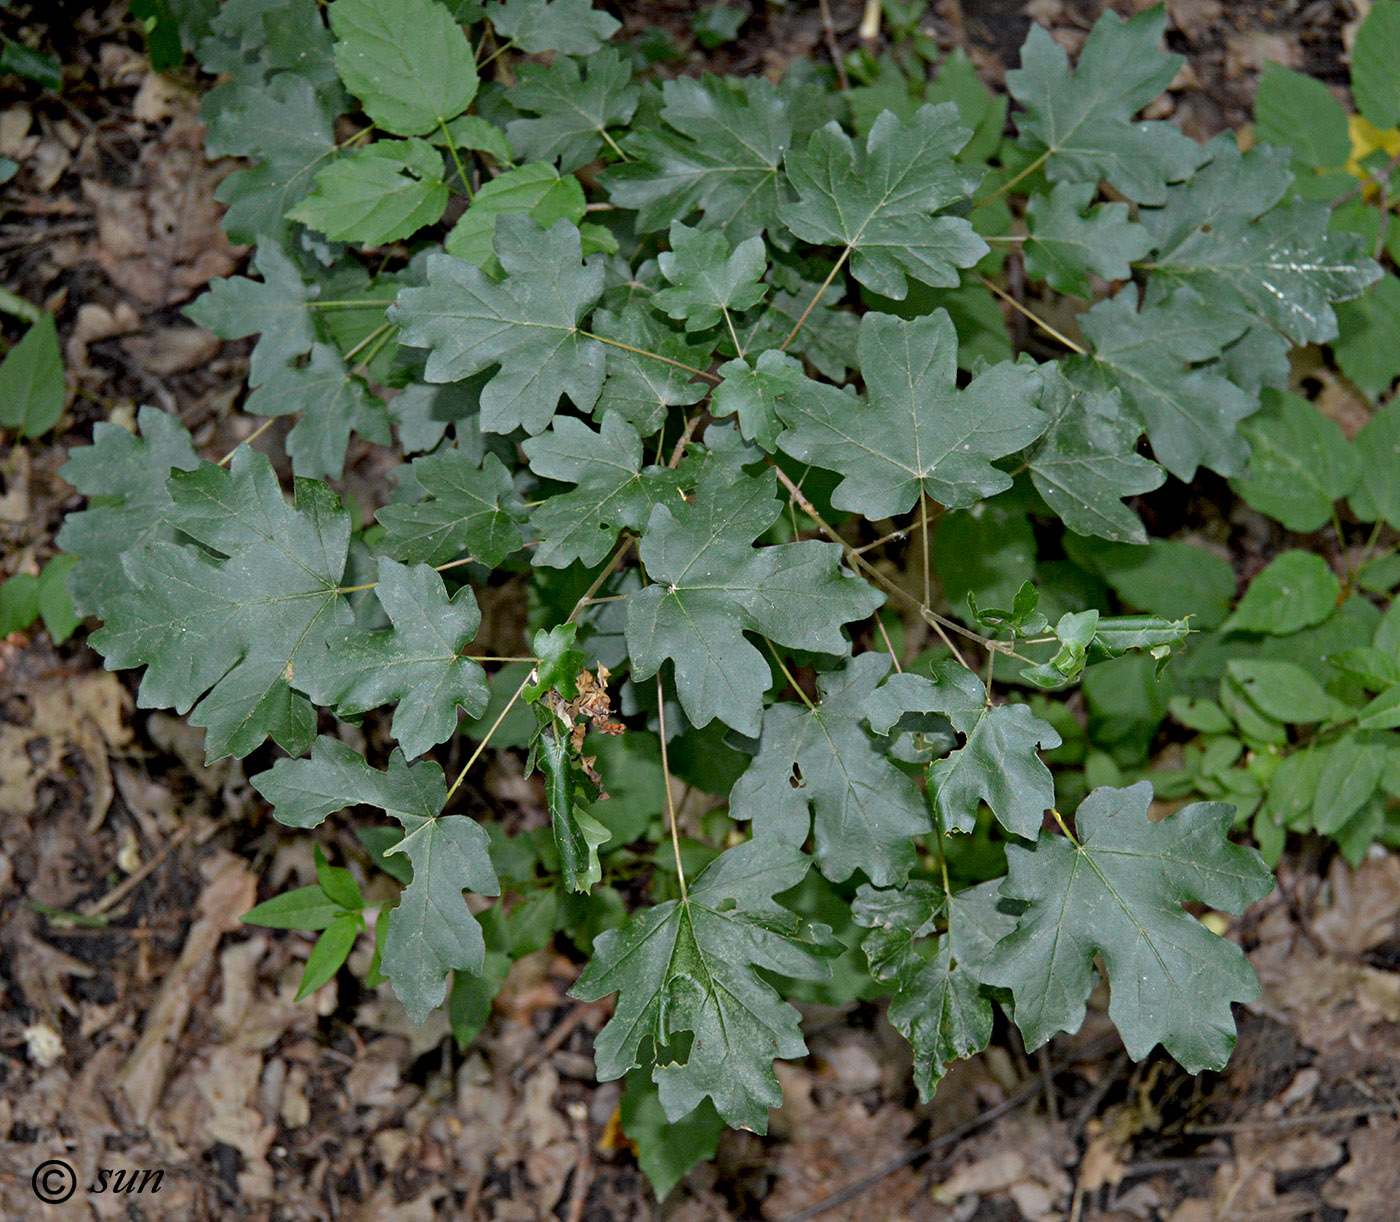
pixel 141 1027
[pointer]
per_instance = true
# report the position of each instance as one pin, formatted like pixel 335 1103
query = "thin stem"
pixel 734 335
pixel 1005 237
pixel 811 305
pixel 684 440
pixel 787 674
pixel 884 632
pixel 456 160
pixel 670 798
pixel 1064 827
pixel 943 867
pixel 347 303
pixel 612 144
pixel 923 531
pixel 248 440
pixel 655 356
pixel 481 746
pixel 382 329
pixel 1011 182
pixel 1035 318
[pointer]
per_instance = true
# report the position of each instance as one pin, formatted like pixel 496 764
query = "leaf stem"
pixel 734 335
pixel 811 305
pixel 923 531
pixel 670 797
pixel 1035 318
pixel 884 632
pixel 248 440
pixel 655 356
pixel 380 331
pixel 1064 827
pixel 1011 182
pixel 456 158
pixel 787 674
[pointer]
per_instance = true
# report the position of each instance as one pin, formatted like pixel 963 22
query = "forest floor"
pixel 143 1028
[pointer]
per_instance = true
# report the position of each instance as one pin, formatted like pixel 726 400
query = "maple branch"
pixel 884 632
pixel 1035 318
pixel 811 305
pixel 670 797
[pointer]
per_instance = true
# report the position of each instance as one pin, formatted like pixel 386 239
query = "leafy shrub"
pixel 717 371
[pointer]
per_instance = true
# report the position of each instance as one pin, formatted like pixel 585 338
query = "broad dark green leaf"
pixel 432 931
pixel 1167 577
pixel 1065 244
pixel 528 324
pixel 640 388
pixel 880 203
pixel 1117 894
pixel 535 190
pixel 1081 122
pixel 1087 461
pixel 615 490
pixel 1298 112
pixel 577 834
pixel 31 381
pixel 225 626
pixel 666 1149
pixel 305 908
pixel 1378 447
pixel 752 392
pixel 571 26
pixel 997 764
pixel 691 966
pixel 865 811
pixel 1373 59
pixel 376 195
pixel 470 509
pixel 575 103
pixel 917 431
pixel 707 278
pixel 125 477
pixel 1368 348
pixel 710 586
pixel 406 60
pixel 1284 691
pixel 419 665
pixel 1296 590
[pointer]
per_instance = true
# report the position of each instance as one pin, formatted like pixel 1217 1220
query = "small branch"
pixel 787 674
pixel 1035 318
pixel 655 356
pixel 829 31
pixel 811 305
pixel 456 159
pixel 248 440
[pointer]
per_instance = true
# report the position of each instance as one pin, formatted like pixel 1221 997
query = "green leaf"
pixel 640 388
pixel 1118 894
pixel 880 204
pixel 1296 590
pixel 691 965
pixel 55 603
pixel 1087 461
pixel 419 663
pixel 475 133
pixel 1166 577
pixel 1374 56
pixel 949 689
pixel 304 908
pixel 338 884
pixel 753 393
pixel 711 587
pixel 44 70
pixel 571 26
pixel 274 309
pixel 432 931
pixel 827 336
pixel 470 509
pixel 1226 235
pixel 577 834
pixel 1299 463
pixel 1300 113
pixel 329 954
pixel 1081 121
pixel 917 431
pixel 376 195
pixel 31 381
pixel 1378 447
pixel 666 1149
pixel 535 190
pixel 997 764
pixel 716 149
pixel 228 621
pixel 1368 348
pixel 527 324
pixel 406 60
pixel 1065 245
pixel 574 109
pixel 707 279
pixel 558 663
pixel 1351 770
pixel 1154 356
pixel 865 811
pixel 19 603
pixel 1284 691
pixel 124 476
pixel 332 401
pixel 615 491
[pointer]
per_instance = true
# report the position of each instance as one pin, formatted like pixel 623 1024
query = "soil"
pixel 143 1029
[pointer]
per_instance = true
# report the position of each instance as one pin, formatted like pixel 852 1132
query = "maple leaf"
pixel 997 764
pixel 711 585
pixel 865 811
pixel 1226 235
pixel 470 508
pixel 691 965
pixel 571 26
pixel 707 279
pixel 615 491
pixel 916 431
pixel 1117 893
pixel 881 205
pixel 274 309
pixel 1087 460
pixel 125 477
pixel 419 663
pixel 753 392
pixel 227 623
pixel 1081 121
pixel 528 324
pixel 575 103
pixel 431 931
pixel 1065 245
pixel 640 388
pixel 376 195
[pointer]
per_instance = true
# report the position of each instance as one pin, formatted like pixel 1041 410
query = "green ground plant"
pixel 717 372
